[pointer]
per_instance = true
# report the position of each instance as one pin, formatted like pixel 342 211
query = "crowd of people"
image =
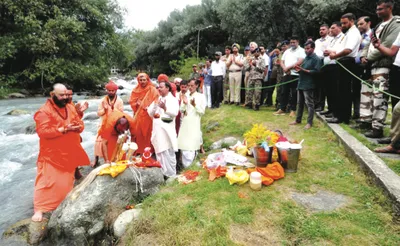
pixel 325 76
pixel 350 72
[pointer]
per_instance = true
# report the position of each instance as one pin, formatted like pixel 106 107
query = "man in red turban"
pixel 142 96
pixel 108 105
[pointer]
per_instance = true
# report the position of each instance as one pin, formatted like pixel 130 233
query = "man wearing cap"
pixel 225 89
pixel 108 104
pixel 195 74
pixel 218 69
pixel 234 65
pixel 255 66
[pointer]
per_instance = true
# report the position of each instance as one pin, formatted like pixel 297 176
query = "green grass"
pixel 212 213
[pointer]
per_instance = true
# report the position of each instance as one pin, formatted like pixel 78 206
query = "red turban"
pixel 111 86
pixel 162 78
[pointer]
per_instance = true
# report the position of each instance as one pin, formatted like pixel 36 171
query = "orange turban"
pixel 111 86
pixel 162 78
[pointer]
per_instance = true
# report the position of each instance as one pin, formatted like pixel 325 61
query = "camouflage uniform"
pixel 374 104
pixel 256 77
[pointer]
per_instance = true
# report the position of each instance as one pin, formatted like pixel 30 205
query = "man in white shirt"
pixel 192 108
pixel 235 67
pixel 330 70
pixel 374 104
pixel 291 58
pixel 321 45
pixel 218 69
pixel 266 58
pixel 163 137
pixel 346 58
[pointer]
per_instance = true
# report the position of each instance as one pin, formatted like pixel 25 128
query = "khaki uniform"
pixel 256 76
pixel 235 78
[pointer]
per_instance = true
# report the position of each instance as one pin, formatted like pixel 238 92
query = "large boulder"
pixel 24 92
pixel 89 219
pixel 16 95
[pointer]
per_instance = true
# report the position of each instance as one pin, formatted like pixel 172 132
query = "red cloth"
pixel 143 123
pixel 111 86
pixel 59 155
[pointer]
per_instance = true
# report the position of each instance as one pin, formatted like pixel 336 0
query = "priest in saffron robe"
pixel 115 124
pixel 58 126
pixel 108 105
pixel 142 96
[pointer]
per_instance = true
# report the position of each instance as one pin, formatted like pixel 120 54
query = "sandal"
pixel 387 149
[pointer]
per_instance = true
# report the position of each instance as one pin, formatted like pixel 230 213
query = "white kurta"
pixel 163 136
pixel 189 137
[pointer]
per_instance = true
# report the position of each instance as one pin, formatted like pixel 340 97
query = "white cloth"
pixel 188 157
pixel 321 45
pixel 266 59
pixel 163 136
pixel 189 137
pixel 352 41
pixel 336 45
pixel 167 160
pixel 207 95
pixel 218 68
pixel 292 56
pixel 397 43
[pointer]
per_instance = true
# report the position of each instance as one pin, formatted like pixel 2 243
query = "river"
pixel 19 151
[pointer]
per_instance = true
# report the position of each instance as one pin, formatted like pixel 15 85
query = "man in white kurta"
pixel 163 137
pixel 192 108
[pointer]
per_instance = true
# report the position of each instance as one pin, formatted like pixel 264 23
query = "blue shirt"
pixel 208 76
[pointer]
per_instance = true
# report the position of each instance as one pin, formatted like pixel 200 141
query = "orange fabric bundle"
pixel 269 173
pixel 215 173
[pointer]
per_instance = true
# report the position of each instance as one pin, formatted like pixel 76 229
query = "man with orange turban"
pixel 108 105
pixel 142 96
pixel 58 126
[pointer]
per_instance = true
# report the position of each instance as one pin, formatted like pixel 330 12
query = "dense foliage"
pixel 73 41
pixel 263 21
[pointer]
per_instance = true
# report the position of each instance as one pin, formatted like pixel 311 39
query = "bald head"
pixel 59 95
pixel 59 88
pixel 122 125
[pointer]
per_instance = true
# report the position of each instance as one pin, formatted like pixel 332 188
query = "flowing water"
pixel 19 151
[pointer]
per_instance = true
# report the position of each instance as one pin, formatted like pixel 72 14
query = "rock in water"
pixel 124 220
pixel 25 232
pixel 17 112
pixel 16 95
pixel 91 116
pixel 31 129
pixel 125 99
pixel 87 219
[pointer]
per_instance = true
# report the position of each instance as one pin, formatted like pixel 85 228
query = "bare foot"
pixel 294 123
pixel 308 126
pixel 37 216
